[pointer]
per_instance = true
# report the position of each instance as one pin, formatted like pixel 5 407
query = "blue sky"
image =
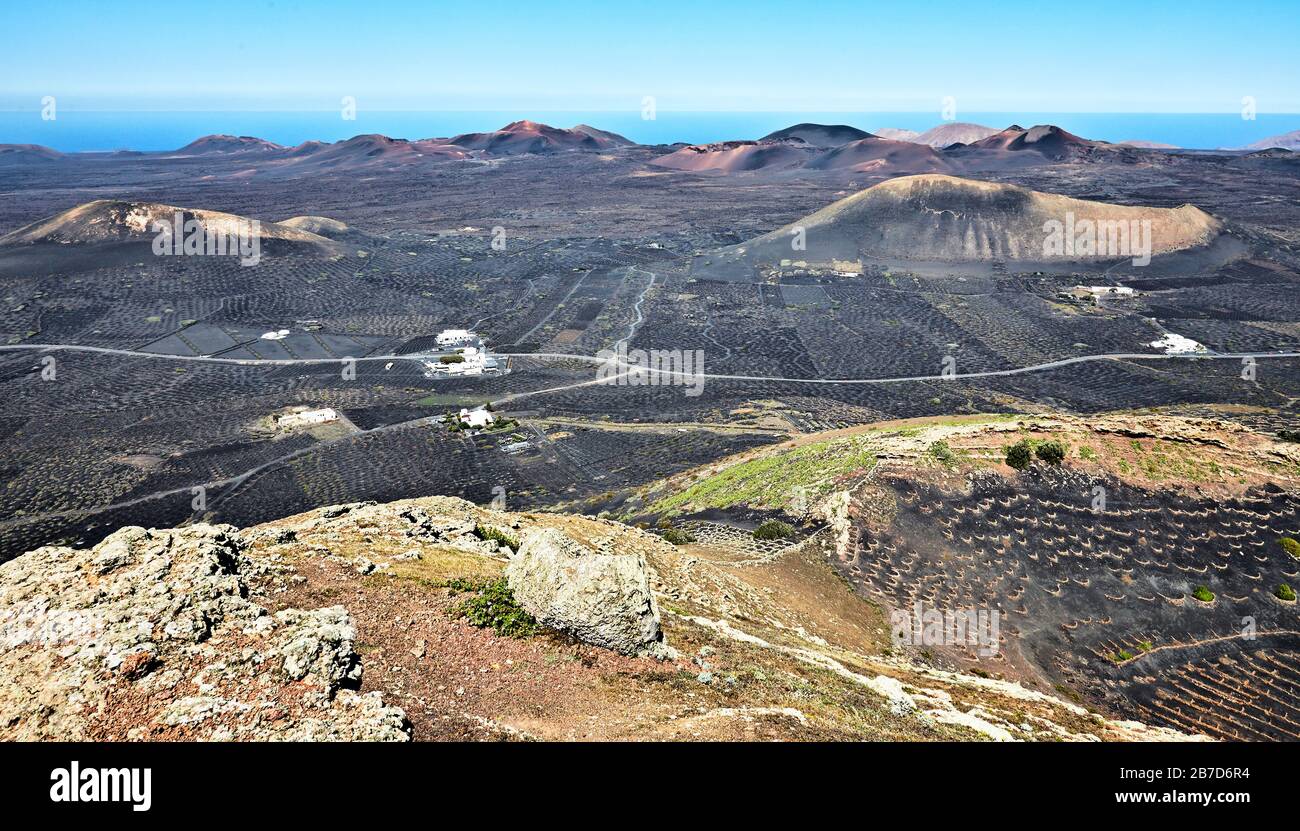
pixel 1101 56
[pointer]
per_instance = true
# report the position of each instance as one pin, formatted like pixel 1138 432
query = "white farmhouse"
pixel 456 338
pixel 1097 291
pixel 307 418
pixel 477 418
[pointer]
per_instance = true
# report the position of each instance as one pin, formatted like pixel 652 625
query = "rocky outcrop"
pixel 150 634
pixel 600 598
pixel 209 633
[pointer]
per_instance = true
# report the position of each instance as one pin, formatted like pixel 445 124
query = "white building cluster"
pixel 455 338
pixel 477 418
pixel 1099 291
pixel 475 357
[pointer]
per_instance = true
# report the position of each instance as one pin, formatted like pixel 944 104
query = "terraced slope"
pixel 368 638
pixel 1145 574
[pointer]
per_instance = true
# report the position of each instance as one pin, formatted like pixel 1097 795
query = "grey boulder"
pixel 603 599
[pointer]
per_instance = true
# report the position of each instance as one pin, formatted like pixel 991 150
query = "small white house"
pixel 456 338
pixel 307 418
pixel 1098 292
pixel 1175 344
pixel 477 418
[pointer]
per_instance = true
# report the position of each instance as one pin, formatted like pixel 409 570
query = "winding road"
pixel 622 370
pixel 593 359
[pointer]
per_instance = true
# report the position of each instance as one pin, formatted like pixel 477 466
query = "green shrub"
pixel 773 529
pixel 452 359
pixel 1203 594
pixel 1020 454
pixel 1145 646
pixel 485 532
pixel 1285 592
pixel 677 536
pixel 1052 452
pixel 943 453
pixel 1122 656
pixel 493 607
pixel 460 585
pixel 1290 546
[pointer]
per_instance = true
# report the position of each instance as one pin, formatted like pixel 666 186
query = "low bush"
pixel 1203 594
pixel 1285 592
pixel 1290 546
pixel 1020 454
pixel 943 453
pixel 677 536
pixel 773 529
pixel 1052 452
pixel 493 607
pixel 486 532
pixel 460 585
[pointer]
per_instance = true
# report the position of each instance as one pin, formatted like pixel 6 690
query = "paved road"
pixel 205 359
pixel 231 484
pixel 592 359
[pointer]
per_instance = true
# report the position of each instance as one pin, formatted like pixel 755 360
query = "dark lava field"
pixel 598 250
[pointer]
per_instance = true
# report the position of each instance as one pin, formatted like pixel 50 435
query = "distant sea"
pixel 74 131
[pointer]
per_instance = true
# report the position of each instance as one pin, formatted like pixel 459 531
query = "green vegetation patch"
pixel 772 482
pixel 677 536
pixel 1162 460
pixel 773 529
pixel 1020 454
pixel 1052 452
pixel 1290 546
pixel 487 532
pixel 1285 592
pixel 1203 594
pixel 492 606
pixel 439 400
pixel 943 454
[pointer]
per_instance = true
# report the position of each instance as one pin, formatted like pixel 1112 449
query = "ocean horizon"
pixel 108 130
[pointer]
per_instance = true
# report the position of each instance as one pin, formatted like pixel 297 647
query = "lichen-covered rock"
pixel 150 634
pixel 603 599
pixel 367 719
pixel 316 646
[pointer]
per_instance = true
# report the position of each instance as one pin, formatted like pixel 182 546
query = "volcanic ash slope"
pixel 110 220
pixel 945 218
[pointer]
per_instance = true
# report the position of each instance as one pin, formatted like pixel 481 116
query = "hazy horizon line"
pixel 66 109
